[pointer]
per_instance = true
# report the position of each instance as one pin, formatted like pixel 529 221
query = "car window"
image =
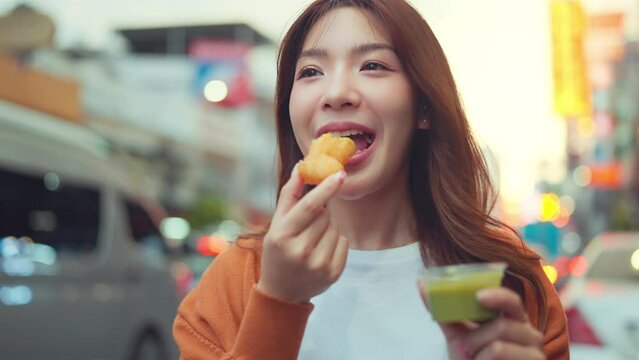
pixel 614 264
pixel 143 229
pixel 49 210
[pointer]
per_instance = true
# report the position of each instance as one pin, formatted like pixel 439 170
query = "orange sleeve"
pixel 226 317
pixel 556 332
pixel 556 343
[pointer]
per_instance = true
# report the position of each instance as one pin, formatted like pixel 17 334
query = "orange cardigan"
pixel 226 317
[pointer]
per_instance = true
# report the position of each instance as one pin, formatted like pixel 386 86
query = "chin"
pixel 349 195
pixel 355 190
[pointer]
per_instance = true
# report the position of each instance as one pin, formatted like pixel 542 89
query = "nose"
pixel 341 92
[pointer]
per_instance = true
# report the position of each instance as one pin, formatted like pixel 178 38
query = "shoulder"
pixel 555 330
pixel 228 279
pixel 239 263
pixel 209 316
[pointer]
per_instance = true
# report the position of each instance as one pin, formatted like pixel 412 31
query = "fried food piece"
pixel 326 156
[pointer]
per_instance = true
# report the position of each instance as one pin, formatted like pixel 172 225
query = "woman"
pixel 333 277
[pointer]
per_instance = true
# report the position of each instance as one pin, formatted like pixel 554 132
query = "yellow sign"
pixel 568 22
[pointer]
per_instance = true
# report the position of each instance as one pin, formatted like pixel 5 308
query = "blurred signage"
pixel 605 41
pixel 38 90
pixel 222 74
pixel 568 23
pixel 543 234
pixel 606 175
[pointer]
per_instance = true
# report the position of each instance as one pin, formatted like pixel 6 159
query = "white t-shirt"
pixel 374 312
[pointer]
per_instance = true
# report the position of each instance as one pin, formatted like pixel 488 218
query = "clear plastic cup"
pixel 450 290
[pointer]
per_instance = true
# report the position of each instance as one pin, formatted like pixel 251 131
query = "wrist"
pixel 265 290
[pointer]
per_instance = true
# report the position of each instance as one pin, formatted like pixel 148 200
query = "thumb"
pixel 290 192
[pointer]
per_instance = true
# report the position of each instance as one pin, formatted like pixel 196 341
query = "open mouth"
pixel 363 140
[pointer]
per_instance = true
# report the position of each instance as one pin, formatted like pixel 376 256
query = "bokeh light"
pixel 550 208
pixel 211 245
pixel 568 203
pixel 51 181
pixel 582 176
pixel 571 242
pixel 216 91
pixel 634 260
pixel 563 219
pixel 578 266
pixel 551 273
pixel 175 228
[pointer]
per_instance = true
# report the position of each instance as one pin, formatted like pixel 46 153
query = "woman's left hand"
pixel 509 336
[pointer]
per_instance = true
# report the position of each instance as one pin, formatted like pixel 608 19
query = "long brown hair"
pixel 450 188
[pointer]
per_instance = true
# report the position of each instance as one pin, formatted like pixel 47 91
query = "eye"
pixel 373 66
pixel 308 72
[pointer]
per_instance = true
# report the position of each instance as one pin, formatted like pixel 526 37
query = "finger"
pixel 339 257
pixel 503 329
pixel 422 293
pixel 314 201
pixel 309 237
pixel 505 300
pixel 325 247
pixel 509 351
pixel 290 193
pixel 450 330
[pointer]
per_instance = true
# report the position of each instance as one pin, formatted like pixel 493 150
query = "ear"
pixel 423 122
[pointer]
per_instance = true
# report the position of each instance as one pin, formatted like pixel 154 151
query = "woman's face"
pixel 349 81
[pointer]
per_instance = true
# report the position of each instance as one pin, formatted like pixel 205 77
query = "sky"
pixel 499 51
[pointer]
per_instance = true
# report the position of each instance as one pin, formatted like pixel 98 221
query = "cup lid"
pixel 465 269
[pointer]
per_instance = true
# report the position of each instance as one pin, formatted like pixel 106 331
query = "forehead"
pixel 346 25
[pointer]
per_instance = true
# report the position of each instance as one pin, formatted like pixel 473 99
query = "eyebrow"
pixel 360 49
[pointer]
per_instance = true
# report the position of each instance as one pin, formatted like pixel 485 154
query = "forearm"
pixel 269 329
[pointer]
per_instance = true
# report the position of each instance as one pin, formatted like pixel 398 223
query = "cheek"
pixel 294 105
pixel 300 110
pixel 396 109
pixel 394 101
pixel 399 122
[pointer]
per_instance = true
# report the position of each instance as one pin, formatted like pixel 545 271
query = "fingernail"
pixel 482 294
pixel 340 176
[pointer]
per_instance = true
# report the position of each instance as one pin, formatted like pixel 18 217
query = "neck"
pixel 381 220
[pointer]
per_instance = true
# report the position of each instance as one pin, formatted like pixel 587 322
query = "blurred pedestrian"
pixel 334 275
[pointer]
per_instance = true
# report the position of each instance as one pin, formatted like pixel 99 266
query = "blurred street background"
pixel 137 140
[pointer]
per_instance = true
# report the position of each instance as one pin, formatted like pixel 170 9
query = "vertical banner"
pixel 568 23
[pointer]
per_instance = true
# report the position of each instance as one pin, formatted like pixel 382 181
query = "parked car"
pixel 601 299
pixel 84 271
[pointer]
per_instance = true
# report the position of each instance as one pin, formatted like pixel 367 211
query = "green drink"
pixel 451 290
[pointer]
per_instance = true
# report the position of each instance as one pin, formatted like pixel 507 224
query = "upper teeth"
pixel 346 133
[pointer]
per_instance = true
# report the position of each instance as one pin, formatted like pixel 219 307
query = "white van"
pixel 84 271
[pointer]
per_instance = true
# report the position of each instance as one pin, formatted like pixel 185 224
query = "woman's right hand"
pixel 303 252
